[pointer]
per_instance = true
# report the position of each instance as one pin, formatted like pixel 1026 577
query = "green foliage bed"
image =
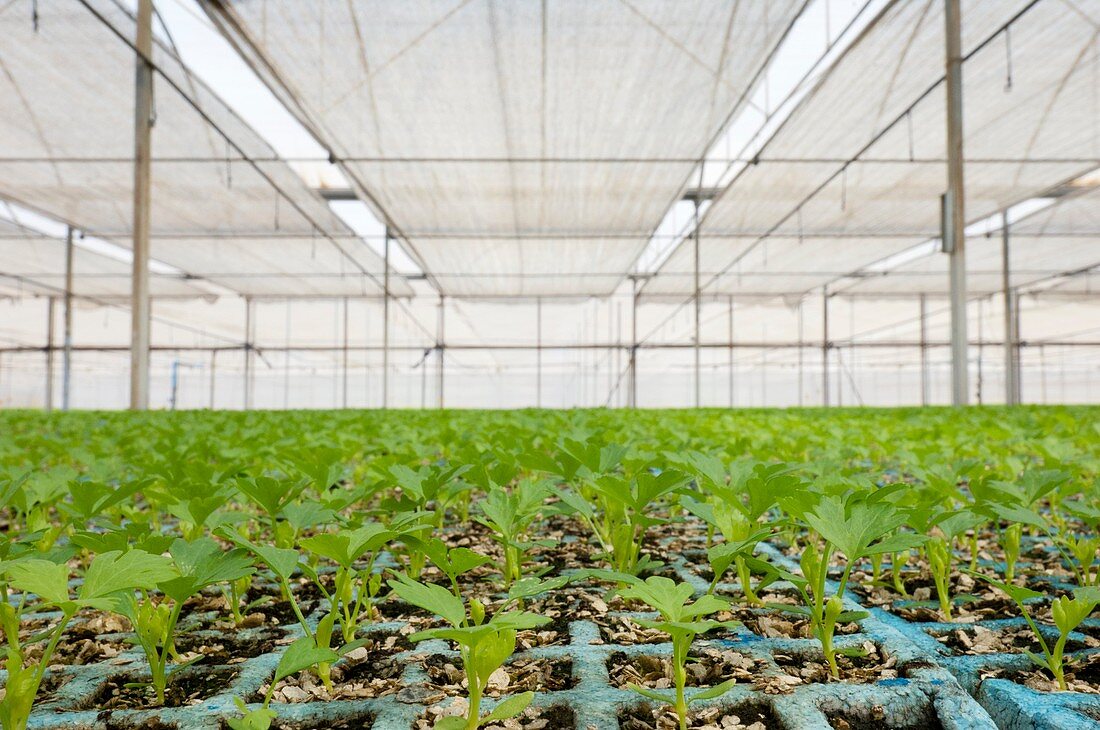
pixel 150 512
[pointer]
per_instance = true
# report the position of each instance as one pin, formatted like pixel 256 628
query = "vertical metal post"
pixel 924 383
pixel 442 345
pixel 286 358
pixel 800 354
pixel 49 354
pixel 729 322
pixel 386 323
pixel 213 375
pixel 366 354
pixel 610 361
pixel 634 344
pixel 618 348
pixel 1016 346
pixel 538 352
pixel 981 352
pixel 695 237
pixel 67 362
pixel 174 383
pixel 143 125
pixel 954 227
pixel 825 346
pixel 1012 373
pixel 345 393
pixel 248 353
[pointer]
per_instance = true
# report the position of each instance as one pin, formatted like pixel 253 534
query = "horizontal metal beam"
pixel 759 345
pixel 216 160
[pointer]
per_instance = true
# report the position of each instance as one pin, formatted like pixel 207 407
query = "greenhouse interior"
pixel 550 364
pixel 493 204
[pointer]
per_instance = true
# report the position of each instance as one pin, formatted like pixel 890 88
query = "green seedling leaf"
pixel 854 527
pixel 666 697
pixel 302 654
pixel 259 719
pixel 281 561
pixel 202 563
pixel 436 599
pixel 1019 594
pixel 46 579
pixel 114 572
pixel 508 708
pixel 716 691
pixel 531 587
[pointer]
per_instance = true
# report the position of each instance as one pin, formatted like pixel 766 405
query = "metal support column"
pixel 344 400
pixel 49 354
pixel 954 224
pixel 248 353
pixel 143 126
pixel 386 323
pixel 800 355
pixel 442 346
pixel 729 322
pixel 1012 366
pixel 213 375
pixel 825 346
pixel 67 334
pixel 698 303
pixel 924 382
pixel 538 352
pixel 634 344
pixel 1016 346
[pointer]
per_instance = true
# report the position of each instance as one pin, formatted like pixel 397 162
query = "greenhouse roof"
pixel 557 149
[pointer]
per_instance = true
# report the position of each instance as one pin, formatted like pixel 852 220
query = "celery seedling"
pixel 110 577
pixel 484 646
pixel 453 562
pixel 939 563
pixel 198 564
pixel 354 587
pixel 622 512
pixel 857 527
pixel 508 513
pixel 302 654
pixel 1083 549
pixel 1068 614
pixel 682 621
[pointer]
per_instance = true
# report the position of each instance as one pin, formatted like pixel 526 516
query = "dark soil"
pixel 872 667
pixel 358 721
pixel 185 688
pixel 874 719
pixel 220 648
pixel 705 668
pixel 745 716
pixel 980 640
pixel 555 717
pixel 366 672
pixel 538 675
pixel 1082 675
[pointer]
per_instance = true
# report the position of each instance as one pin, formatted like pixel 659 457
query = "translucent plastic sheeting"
pixel 779 265
pixel 545 266
pixel 32 264
pixel 66 142
pixel 279 265
pixel 1030 108
pixel 1032 259
pixel 505 119
pixel 1077 216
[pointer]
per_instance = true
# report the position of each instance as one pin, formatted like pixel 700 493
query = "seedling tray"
pixel 933 689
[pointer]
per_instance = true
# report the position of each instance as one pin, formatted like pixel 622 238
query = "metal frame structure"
pixel 834 370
